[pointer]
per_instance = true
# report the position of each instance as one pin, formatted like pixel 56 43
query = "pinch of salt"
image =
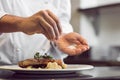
pixel 73 46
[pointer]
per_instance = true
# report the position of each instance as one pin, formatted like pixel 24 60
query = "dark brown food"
pixel 36 63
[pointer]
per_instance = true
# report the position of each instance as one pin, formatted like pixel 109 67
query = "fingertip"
pixel 85 42
pixel 87 47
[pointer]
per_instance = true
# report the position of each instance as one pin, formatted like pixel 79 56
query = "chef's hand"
pixel 44 22
pixel 72 43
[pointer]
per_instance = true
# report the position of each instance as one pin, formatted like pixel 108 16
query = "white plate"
pixel 69 69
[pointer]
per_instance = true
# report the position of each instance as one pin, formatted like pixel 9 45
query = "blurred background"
pixel 99 22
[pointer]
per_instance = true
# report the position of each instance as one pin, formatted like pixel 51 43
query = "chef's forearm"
pixel 10 23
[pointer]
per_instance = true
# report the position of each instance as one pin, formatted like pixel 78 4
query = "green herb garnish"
pixel 45 56
pixel 36 56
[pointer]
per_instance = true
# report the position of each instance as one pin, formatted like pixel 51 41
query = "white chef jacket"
pixel 18 46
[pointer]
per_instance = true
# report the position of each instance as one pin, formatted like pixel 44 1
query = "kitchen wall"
pixel 109 32
pixel 94 3
pixel 107 25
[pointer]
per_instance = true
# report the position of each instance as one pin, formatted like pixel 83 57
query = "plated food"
pixel 42 62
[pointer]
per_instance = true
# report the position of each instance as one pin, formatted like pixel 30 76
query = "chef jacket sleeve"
pixel 64 16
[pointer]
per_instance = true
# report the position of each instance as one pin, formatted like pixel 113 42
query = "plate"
pixel 69 69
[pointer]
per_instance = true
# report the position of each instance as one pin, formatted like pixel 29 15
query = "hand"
pixel 72 43
pixel 44 22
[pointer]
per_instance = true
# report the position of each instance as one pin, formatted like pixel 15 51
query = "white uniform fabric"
pixel 19 46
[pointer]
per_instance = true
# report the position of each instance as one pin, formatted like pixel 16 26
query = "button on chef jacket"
pixel 17 46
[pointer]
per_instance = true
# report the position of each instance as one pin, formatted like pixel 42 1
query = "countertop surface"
pixel 97 73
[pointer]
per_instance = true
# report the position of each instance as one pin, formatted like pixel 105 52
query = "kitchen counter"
pixel 97 73
pixel 87 60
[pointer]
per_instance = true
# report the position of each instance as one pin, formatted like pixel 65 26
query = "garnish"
pixel 45 56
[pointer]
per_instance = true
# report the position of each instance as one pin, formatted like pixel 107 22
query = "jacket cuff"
pixel 2 13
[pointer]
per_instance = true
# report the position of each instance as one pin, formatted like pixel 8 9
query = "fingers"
pixel 50 24
pixel 42 22
pixel 47 29
pixel 44 32
pixel 77 37
pixel 53 24
pixel 81 48
pixel 82 40
pixel 75 51
pixel 72 44
pixel 56 20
